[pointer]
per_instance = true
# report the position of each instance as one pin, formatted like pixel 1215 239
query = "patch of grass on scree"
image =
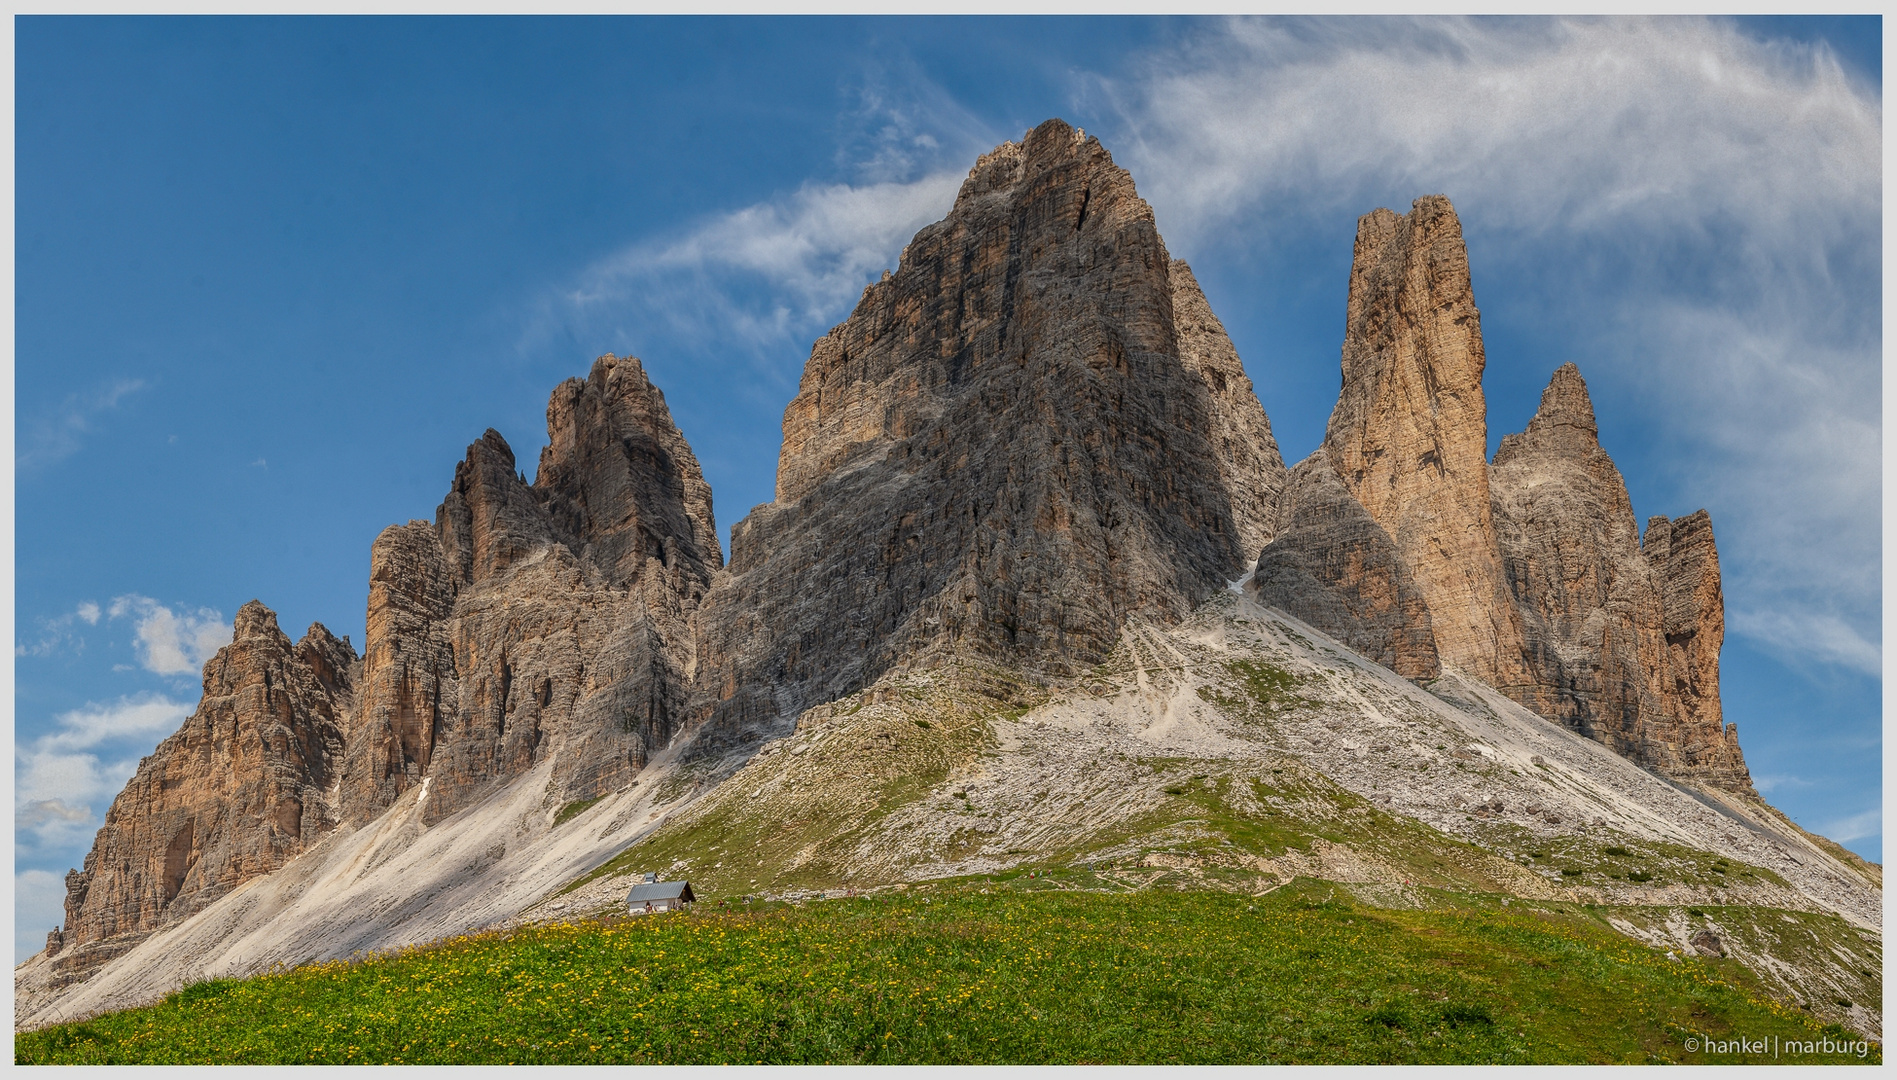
pixel 1303 974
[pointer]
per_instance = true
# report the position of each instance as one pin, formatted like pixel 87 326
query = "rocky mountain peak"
pixel 1049 147
pixel 1564 423
pixel 618 478
pixel 538 622
pixel 1030 453
pixel 489 519
pixel 254 620
pixel 1409 435
pixel 330 659
pixel 1008 450
pixel 240 789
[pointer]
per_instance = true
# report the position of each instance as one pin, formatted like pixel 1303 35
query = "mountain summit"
pixel 1035 588
pixel 1008 450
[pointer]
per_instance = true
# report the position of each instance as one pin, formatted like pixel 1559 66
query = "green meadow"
pixel 1013 969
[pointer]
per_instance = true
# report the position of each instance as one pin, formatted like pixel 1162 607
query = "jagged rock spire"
pixel 543 621
pixel 1008 450
pixel 244 786
pixel 1409 433
pixel 1565 420
pixel 1622 643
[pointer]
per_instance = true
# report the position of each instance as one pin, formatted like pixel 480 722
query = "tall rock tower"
pixel 1016 443
pixel 1409 434
pixel 538 622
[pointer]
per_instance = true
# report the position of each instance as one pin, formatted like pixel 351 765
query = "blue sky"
pixel 273 276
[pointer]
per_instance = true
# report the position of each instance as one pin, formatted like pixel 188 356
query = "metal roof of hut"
pixel 661 890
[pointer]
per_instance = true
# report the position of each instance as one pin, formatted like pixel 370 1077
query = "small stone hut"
pixel 652 896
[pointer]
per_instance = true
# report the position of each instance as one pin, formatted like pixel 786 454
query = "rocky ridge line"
pixel 1016 443
pixel 1032 435
pixel 538 621
pixel 244 786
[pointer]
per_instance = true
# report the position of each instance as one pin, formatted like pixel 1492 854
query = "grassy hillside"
pixel 1009 969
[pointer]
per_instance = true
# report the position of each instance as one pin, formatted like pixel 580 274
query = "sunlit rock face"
pixel 538 621
pixel 1016 443
pixel 1409 434
pixel 246 785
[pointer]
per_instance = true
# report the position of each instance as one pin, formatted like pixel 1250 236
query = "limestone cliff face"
pixel 1249 463
pixel 1409 434
pixel 1700 745
pixel 242 788
pixel 1335 568
pixel 1008 450
pixel 1591 617
pixel 1621 642
pixel 538 620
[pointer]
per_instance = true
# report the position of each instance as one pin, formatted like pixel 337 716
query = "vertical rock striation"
pixel 1591 618
pixel 243 787
pixel 1409 434
pixel 543 620
pixel 1335 568
pixel 1008 450
pixel 1698 744
pixel 1248 458
pixel 1621 638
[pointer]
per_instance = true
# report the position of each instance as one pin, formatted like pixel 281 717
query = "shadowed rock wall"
pixel 1008 450
pixel 1335 568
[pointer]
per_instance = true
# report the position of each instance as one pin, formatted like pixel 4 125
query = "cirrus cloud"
pixel 1695 213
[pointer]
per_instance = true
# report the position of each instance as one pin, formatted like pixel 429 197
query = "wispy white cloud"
pixel 59 432
pixel 60 634
pixel 764 276
pixel 762 281
pixel 1700 210
pixel 906 125
pixel 1854 827
pixel 1544 124
pixel 172 642
pixel 814 249
pixel 64 778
